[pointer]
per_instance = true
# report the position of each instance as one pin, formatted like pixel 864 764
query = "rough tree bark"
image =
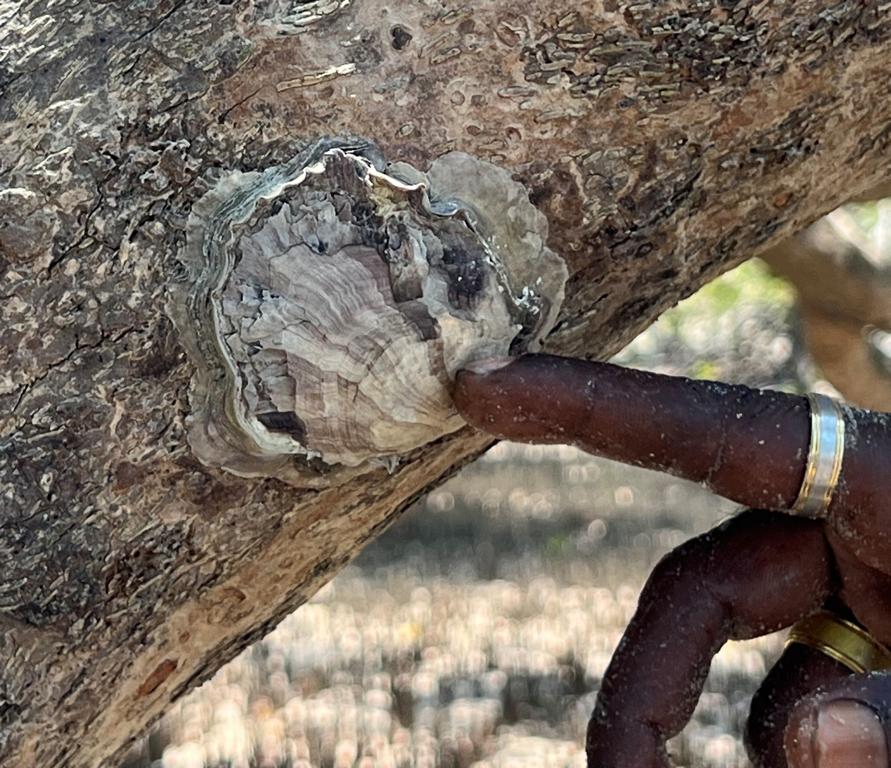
pixel 665 142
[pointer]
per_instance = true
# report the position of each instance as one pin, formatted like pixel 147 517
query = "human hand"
pixel 758 573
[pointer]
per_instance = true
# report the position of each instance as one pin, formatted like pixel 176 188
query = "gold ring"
pixel 824 458
pixel 843 641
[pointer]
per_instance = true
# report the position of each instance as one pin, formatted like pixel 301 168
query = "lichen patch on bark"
pixel 329 302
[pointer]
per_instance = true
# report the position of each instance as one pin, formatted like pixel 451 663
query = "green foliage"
pixel 751 284
pixel 738 328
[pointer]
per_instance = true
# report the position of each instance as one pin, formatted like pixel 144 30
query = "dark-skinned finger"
pixel 755 574
pixel 860 513
pixel 865 589
pixel 799 671
pixel 747 445
pixel 843 725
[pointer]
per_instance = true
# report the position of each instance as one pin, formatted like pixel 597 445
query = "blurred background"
pixel 475 631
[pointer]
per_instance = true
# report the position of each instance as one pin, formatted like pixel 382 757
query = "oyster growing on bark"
pixel 328 302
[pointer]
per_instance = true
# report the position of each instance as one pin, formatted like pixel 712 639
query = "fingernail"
pixel 849 734
pixel 487 365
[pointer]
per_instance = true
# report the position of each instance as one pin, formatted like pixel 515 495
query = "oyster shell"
pixel 328 302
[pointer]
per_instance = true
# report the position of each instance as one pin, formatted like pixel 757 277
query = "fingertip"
pixel 850 733
pixel 477 389
pixel 839 733
pixel 526 398
pixel 469 394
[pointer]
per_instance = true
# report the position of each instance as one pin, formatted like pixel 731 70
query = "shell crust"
pixel 328 302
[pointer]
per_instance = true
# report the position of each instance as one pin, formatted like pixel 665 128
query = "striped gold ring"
pixel 824 459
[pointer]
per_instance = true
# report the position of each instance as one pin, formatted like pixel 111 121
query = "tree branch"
pixel 664 143
pixel 845 293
